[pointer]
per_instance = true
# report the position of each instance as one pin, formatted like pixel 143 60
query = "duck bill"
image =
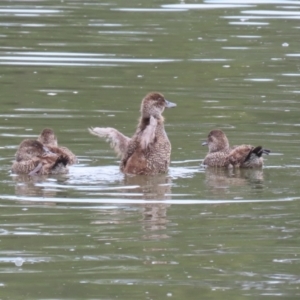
pixel 204 143
pixel 170 104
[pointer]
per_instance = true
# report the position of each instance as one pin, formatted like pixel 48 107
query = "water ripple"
pixel 137 201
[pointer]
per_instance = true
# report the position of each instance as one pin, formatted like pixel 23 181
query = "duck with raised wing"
pixel 220 154
pixel 33 158
pixel 148 151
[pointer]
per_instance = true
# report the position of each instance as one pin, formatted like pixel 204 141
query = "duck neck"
pixel 144 122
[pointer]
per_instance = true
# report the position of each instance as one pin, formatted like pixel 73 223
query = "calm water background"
pixel 96 234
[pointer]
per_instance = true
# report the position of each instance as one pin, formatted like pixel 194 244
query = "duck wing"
pixel 26 167
pixel 247 155
pixel 65 153
pixel 118 141
pixel 239 154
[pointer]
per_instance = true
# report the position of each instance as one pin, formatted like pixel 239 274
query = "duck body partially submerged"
pixel 148 151
pixel 220 154
pixel 33 158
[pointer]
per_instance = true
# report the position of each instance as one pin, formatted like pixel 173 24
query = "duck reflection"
pixel 150 187
pixel 26 185
pixel 220 179
pixel 154 216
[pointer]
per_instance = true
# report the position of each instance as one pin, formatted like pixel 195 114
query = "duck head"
pixel 216 141
pixel 29 149
pixel 154 104
pixel 48 137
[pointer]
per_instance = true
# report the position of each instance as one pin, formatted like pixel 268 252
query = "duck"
pixel 33 158
pixel 48 138
pixel 148 151
pixel 220 154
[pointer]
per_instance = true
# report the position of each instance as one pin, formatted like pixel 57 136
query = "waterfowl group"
pixel 147 152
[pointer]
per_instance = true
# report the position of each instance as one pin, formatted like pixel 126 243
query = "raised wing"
pixel 118 141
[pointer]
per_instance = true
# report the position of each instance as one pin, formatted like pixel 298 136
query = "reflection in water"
pixel 220 179
pixel 154 215
pixel 26 185
pixel 151 187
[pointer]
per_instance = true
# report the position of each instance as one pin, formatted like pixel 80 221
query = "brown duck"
pixel 33 158
pixel 220 154
pixel 49 139
pixel 148 151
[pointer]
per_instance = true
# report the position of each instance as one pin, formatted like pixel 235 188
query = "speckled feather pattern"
pixel 222 155
pixel 217 159
pixel 32 156
pixel 24 167
pixel 154 159
pixel 148 151
pixel 49 139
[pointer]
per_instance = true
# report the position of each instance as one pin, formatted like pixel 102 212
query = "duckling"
pixel 220 154
pixel 49 139
pixel 33 158
pixel 148 151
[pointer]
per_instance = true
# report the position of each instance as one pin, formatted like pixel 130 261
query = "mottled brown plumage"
pixel 148 151
pixel 49 139
pixel 220 154
pixel 33 158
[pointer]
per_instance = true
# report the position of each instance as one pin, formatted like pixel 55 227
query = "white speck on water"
pixel 75 92
pixel 111 115
pixel 286 110
pixel 140 76
pixel 19 261
pixel 169 294
pixel 285 45
pixel 226 66
pixel 51 94
pixel 72 249
pixel 24 208
pixel 199 38
pixel 107 243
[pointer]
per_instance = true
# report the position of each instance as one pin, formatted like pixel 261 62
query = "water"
pixel 97 234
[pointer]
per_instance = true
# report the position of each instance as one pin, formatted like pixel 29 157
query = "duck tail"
pixel 64 160
pixel 257 151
